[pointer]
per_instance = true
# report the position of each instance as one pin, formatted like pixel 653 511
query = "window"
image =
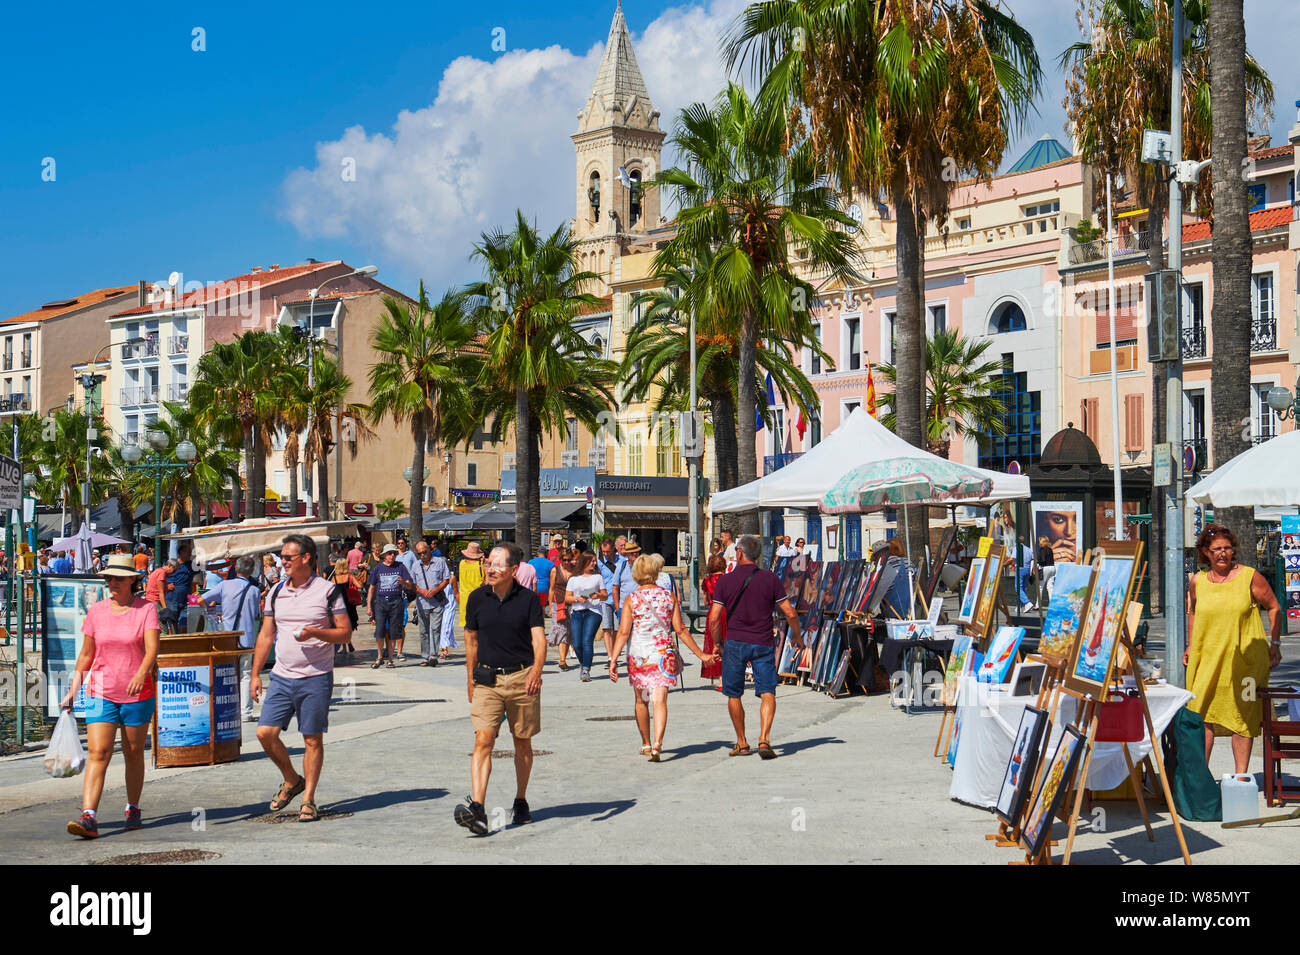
pixel 1258 196
pixel 853 338
pixel 939 318
pixel 815 360
pixel 27 350
pixel 593 196
pixel 1263 419
pixel 570 434
pixel 471 474
pixel 1194 415
pixel 634 459
pixel 597 341
pixel 1021 419
pixel 661 459
pixel 777 433
pixel 964 223
pixel 1134 423
pixel 815 429
pixel 27 387
pixel 891 326
pixel 1043 209
pixel 634 199
pixel 1007 317
pixel 480 436
pixel 1261 297
pixel 848 406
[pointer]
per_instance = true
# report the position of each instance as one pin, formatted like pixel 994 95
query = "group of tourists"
pixel 306 616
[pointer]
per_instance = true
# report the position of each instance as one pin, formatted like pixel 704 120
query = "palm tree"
pixel 657 356
pixel 1117 86
pixel 524 311
pixel 1230 313
pixel 335 421
pixel 390 509
pixel 960 391
pixel 746 198
pixel 59 460
pixel 422 377
pixel 235 396
pixel 900 98
pixel 185 492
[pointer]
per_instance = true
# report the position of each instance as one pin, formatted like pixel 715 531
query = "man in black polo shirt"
pixel 505 649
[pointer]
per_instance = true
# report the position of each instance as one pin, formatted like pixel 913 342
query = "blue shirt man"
pixel 544 567
pixel 406 557
pixel 240 602
pixel 61 565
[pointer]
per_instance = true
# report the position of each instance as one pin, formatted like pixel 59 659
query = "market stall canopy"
pixel 860 440
pixel 432 521
pixel 258 535
pixel 85 536
pixel 1264 476
pixel 902 481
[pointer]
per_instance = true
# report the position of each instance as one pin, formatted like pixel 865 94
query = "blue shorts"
pixel 307 698
pixel 761 658
pixel 100 710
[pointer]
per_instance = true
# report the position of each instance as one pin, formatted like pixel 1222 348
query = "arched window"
pixel 593 196
pixel 634 201
pixel 599 343
pixel 1007 317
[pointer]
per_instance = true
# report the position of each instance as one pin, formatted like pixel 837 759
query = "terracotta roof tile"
pixel 1271 152
pixel 606 305
pixel 64 306
pixel 244 283
pixel 1263 219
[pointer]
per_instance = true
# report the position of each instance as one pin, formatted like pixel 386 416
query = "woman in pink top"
pixel 116 662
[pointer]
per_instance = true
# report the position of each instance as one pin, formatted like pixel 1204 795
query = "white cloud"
pixel 495 138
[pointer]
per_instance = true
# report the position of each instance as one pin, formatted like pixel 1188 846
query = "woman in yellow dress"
pixel 469 577
pixel 1229 657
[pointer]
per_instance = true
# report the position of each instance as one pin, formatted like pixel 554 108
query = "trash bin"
pixel 196 721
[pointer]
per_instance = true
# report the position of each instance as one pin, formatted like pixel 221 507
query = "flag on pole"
pixel 771 400
pixel 871 392
pixel 800 426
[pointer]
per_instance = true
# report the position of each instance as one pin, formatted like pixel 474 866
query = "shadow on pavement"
pixel 788 749
pixel 384 799
pixel 695 749
pixel 599 811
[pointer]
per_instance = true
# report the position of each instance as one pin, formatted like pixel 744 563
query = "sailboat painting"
pixel 1102 622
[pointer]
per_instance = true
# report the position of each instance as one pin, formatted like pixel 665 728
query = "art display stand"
pixel 979 628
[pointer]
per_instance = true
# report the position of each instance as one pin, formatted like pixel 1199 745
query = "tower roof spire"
pixel 619 80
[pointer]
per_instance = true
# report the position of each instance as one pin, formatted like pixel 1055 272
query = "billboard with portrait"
pixel 1061 522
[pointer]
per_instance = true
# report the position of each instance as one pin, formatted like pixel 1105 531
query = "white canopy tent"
pixel 1264 476
pixel 861 439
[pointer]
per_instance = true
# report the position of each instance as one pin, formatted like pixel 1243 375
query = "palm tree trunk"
pixel 1230 314
pixel 194 502
pixel 257 486
pixel 723 408
pixel 535 491
pixel 747 403
pixel 236 494
pixel 909 357
pixel 323 489
pixel 417 479
pixel 251 509
pixel 525 474
pixel 291 461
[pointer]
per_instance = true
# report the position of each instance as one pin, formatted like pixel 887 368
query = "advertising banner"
pixel 184 717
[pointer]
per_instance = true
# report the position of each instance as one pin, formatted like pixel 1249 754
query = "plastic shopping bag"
pixel 65 757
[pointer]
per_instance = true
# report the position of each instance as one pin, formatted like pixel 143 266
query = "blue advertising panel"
pixel 184 717
pixel 225 701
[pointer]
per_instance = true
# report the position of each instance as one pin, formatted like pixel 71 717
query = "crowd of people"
pixel 299 620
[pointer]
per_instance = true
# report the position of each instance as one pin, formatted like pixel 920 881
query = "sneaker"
pixel 522 815
pixel 586 675
pixel 86 827
pixel 133 818
pixel 472 816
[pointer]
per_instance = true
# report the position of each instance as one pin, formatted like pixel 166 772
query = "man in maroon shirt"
pixel 749 595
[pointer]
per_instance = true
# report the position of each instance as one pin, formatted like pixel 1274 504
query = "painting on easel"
pixel 974 582
pixel 1056 783
pixel 1001 656
pixel 1061 623
pixel 961 648
pixel 1104 615
pixel 979 624
pixel 1020 769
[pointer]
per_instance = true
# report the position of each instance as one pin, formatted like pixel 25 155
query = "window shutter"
pixel 1090 419
pixel 1136 425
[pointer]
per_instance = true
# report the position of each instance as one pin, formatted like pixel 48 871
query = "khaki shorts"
pixel 508 698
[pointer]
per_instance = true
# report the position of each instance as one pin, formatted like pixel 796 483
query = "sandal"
pixel 654 754
pixel 765 750
pixel 645 750
pixel 287 792
pixel 308 812
pixel 740 751
pixel 377 664
pixel 390 664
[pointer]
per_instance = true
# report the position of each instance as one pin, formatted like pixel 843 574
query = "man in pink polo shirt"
pixel 305 616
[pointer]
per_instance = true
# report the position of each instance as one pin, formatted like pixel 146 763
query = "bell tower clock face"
pixel 855 213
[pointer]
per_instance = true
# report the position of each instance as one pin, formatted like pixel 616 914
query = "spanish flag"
pixel 871 392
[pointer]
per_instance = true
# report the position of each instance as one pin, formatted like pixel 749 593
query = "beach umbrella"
pixel 1265 476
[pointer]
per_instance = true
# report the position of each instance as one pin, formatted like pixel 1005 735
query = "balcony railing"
pixel 177 392
pixel 569 459
pixel 775 462
pixel 596 458
pixel 1128 244
pixel 138 395
pixel 9 362
pixel 1194 341
pixel 1263 334
pixel 1256 439
pixel 16 403
pixel 144 349
pixel 27 359
pixel 132 437
pixel 178 344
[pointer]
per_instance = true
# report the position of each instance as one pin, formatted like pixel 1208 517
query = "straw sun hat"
pixel 472 551
pixel 120 565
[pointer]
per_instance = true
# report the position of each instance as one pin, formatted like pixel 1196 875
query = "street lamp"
pixel 132 453
pixel 311 365
pixel 1281 400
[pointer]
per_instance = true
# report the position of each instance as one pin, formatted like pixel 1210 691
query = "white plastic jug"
pixel 1240 797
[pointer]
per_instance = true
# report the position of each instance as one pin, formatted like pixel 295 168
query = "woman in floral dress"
pixel 650 618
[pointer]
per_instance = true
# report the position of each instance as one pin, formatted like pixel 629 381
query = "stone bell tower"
pixel 617 145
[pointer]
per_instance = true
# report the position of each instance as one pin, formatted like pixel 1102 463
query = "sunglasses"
pixel 291 556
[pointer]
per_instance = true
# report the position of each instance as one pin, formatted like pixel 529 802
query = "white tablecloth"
pixel 989 719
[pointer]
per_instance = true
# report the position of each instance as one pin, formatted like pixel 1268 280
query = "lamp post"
pixel 308 486
pixel 1283 402
pixel 185 454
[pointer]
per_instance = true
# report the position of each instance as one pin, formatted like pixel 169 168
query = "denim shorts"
pixel 760 657
pixel 100 710
pixel 307 698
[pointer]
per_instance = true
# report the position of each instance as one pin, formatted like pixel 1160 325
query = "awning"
pixel 651 518
pixel 259 535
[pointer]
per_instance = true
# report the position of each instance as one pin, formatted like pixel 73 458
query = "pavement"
pixel 856 782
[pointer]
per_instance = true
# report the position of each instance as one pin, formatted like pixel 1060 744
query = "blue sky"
pixel 212 162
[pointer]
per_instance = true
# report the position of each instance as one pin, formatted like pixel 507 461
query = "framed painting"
pixel 970 664
pixel 882 584
pixel 1019 774
pixel 808 586
pixel 830 589
pixel 1001 655
pixel 1027 678
pixel 1089 665
pixel 995 564
pixel 1056 783
pixel 1070 587
pixel 961 648
pixel 848 587
pixel 837 684
pixel 974 581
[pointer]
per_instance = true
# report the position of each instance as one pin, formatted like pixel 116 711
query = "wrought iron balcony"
pixel 17 402
pixel 1263 334
pixel 178 344
pixel 1256 439
pixel 144 349
pixel 9 361
pixel 1193 341
pixel 177 392
pixel 775 462
pixel 138 395
pixel 596 458
pixel 569 459
pixel 27 359
pixel 1128 244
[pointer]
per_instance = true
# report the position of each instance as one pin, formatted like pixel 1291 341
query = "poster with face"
pixel 1002 524
pixel 1061 522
